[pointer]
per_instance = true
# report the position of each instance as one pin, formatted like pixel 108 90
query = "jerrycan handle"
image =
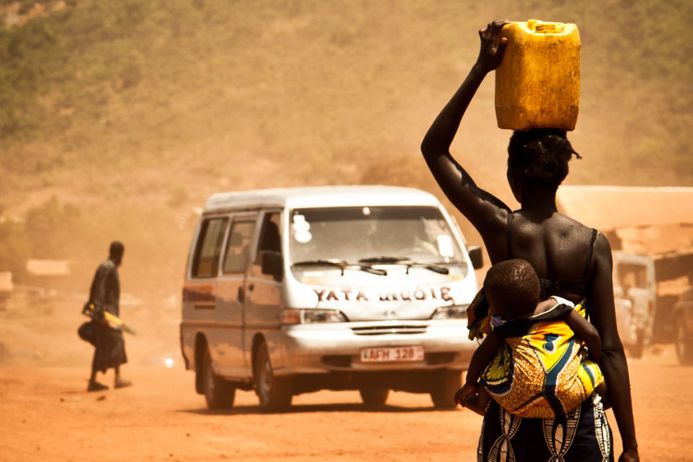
pixel 541 27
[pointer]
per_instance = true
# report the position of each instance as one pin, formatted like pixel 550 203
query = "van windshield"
pixel 389 234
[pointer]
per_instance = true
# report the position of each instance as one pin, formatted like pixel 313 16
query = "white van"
pixel 289 291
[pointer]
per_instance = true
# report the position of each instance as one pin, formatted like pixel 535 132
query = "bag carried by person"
pixel 98 314
pixel 86 332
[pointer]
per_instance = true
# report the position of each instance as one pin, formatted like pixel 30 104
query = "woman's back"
pixel 558 247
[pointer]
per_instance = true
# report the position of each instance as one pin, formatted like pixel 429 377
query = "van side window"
pixel 238 247
pixel 270 238
pixel 206 261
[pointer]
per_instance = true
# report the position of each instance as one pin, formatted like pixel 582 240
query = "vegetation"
pixel 131 112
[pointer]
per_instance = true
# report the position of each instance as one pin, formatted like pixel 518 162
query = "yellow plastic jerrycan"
pixel 538 82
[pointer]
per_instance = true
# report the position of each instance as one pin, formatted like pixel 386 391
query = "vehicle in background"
pixel 651 227
pixel 289 291
pixel 646 289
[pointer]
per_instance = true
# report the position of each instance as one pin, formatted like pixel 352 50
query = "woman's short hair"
pixel 514 286
pixel 540 156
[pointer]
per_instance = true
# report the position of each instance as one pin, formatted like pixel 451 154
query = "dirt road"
pixel 46 415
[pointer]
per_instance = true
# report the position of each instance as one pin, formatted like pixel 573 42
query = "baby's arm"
pixel 469 395
pixel 478 402
pixel 587 333
pixel 482 357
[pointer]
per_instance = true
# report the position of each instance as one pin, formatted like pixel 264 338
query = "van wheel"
pixel 445 385
pixel 273 392
pixel 684 343
pixel 374 396
pixel 219 393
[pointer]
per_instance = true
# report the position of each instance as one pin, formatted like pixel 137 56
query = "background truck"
pixel 651 302
pixel 650 230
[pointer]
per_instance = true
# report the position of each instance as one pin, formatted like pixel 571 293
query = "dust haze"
pixel 131 122
pixel 120 118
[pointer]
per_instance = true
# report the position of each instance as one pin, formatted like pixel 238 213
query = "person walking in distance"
pixel 109 346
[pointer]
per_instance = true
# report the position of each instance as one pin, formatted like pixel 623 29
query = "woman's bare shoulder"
pixel 568 227
pixel 556 225
pixel 569 221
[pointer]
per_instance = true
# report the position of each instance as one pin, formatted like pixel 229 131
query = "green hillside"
pixel 118 118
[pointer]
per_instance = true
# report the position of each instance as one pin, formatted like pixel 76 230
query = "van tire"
pixel 684 343
pixel 372 396
pixel 445 385
pixel 219 393
pixel 274 393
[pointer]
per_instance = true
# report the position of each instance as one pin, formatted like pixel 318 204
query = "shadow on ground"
pixel 305 408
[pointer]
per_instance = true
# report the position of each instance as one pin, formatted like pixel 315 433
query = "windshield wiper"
pixel 388 260
pixel 436 268
pixel 342 265
pixel 364 264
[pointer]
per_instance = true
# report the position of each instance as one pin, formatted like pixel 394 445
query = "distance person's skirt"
pixel 509 438
pixel 109 346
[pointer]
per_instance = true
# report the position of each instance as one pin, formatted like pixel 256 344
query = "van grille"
pixel 390 329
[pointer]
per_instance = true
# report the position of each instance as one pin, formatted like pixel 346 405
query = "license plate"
pixel 392 354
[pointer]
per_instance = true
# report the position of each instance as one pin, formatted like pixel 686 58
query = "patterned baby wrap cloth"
pixel 542 371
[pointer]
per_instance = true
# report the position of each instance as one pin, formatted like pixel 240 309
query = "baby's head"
pixel 512 288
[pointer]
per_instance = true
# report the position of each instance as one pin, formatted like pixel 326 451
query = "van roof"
pixel 319 196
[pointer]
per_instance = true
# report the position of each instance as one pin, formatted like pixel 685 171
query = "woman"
pixel 573 261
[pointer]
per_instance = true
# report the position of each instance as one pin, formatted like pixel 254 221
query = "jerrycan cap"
pixel 545 27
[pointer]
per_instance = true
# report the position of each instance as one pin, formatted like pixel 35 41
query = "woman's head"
pixel 512 288
pixel 538 158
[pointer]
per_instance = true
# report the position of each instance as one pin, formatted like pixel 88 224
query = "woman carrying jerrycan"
pixel 573 261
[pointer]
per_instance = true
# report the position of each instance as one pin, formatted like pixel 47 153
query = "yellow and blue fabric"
pixel 542 370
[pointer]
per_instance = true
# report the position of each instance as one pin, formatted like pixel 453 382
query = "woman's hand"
pixel 492 46
pixel 629 456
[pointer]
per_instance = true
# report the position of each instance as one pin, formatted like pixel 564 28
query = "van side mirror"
pixel 272 264
pixel 476 256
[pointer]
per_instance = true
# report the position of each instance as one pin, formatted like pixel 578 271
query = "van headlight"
pixel 310 316
pixel 450 312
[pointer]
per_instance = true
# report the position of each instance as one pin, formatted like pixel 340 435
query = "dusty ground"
pixel 46 415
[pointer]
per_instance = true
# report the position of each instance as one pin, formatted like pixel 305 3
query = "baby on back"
pixel 539 360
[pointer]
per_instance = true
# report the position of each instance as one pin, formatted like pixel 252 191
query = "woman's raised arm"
pixel 600 303
pixel 483 210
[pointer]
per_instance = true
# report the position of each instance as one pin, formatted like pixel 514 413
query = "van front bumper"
pixel 324 348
